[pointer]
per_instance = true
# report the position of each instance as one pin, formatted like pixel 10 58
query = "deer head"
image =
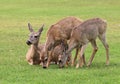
pixel 34 36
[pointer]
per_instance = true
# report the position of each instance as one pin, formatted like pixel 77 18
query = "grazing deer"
pixel 87 32
pixel 56 55
pixel 33 54
pixel 57 33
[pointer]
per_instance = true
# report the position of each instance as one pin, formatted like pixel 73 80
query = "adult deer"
pixel 87 32
pixel 33 54
pixel 59 32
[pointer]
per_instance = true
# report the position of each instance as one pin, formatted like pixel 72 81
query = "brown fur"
pixel 33 54
pixel 55 56
pixel 60 32
pixel 87 32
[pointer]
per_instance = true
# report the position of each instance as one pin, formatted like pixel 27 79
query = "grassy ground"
pixel 14 16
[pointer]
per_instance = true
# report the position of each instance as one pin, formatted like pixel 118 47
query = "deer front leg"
pixel 80 60
pixel 77 50
pixel 69 60
pixel 76 54
pixel 84 59
pixel 72 45
pixel 49 59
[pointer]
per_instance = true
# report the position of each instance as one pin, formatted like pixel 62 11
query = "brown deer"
pixel 59 32
pixel 33 54
pixel 56 55
pixel 87 32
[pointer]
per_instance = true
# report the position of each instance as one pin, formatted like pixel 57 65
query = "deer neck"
pixel 34 48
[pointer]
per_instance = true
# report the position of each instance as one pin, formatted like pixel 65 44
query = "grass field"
pixel 14 16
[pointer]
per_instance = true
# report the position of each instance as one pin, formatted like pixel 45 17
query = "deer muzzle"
pixel 28 42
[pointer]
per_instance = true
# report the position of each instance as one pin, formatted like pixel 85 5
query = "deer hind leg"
pixel 95 48
pixel 103 40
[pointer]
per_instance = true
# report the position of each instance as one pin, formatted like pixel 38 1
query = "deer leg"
pixel 66 64
pixel 95 48
pixel 103 40
pixel 76 54
pixel 70 60
pixel 48 62
pixel 84 59
pixel 49 58
pixel 80 60
pixel 71 46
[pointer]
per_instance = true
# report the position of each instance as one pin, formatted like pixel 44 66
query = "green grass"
pixel 14 16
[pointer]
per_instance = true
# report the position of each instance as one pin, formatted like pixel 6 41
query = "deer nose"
pixel 28 42
pixel 60 61
pixel 44 67
pixel 61 64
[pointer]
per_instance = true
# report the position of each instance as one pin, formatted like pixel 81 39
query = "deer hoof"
pixel 88 65
pixel 77 66
pixel 107 63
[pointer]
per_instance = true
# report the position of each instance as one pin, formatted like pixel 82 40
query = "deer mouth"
pixel 60 64
pixel 28 43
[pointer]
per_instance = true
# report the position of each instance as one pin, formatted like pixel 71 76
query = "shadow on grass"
pixel 99 65
pixel 96 65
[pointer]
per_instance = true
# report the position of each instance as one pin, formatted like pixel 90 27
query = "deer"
pixel 56 55
pixel 87 32
pixel 58 33
pixel 33 53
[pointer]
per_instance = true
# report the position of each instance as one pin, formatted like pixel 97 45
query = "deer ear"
pixel 41 29
pixel 30 27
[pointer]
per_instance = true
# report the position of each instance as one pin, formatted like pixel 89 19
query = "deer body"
pixel 56 54
pixel 87 32
pixel 33 54
pixel 61 31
